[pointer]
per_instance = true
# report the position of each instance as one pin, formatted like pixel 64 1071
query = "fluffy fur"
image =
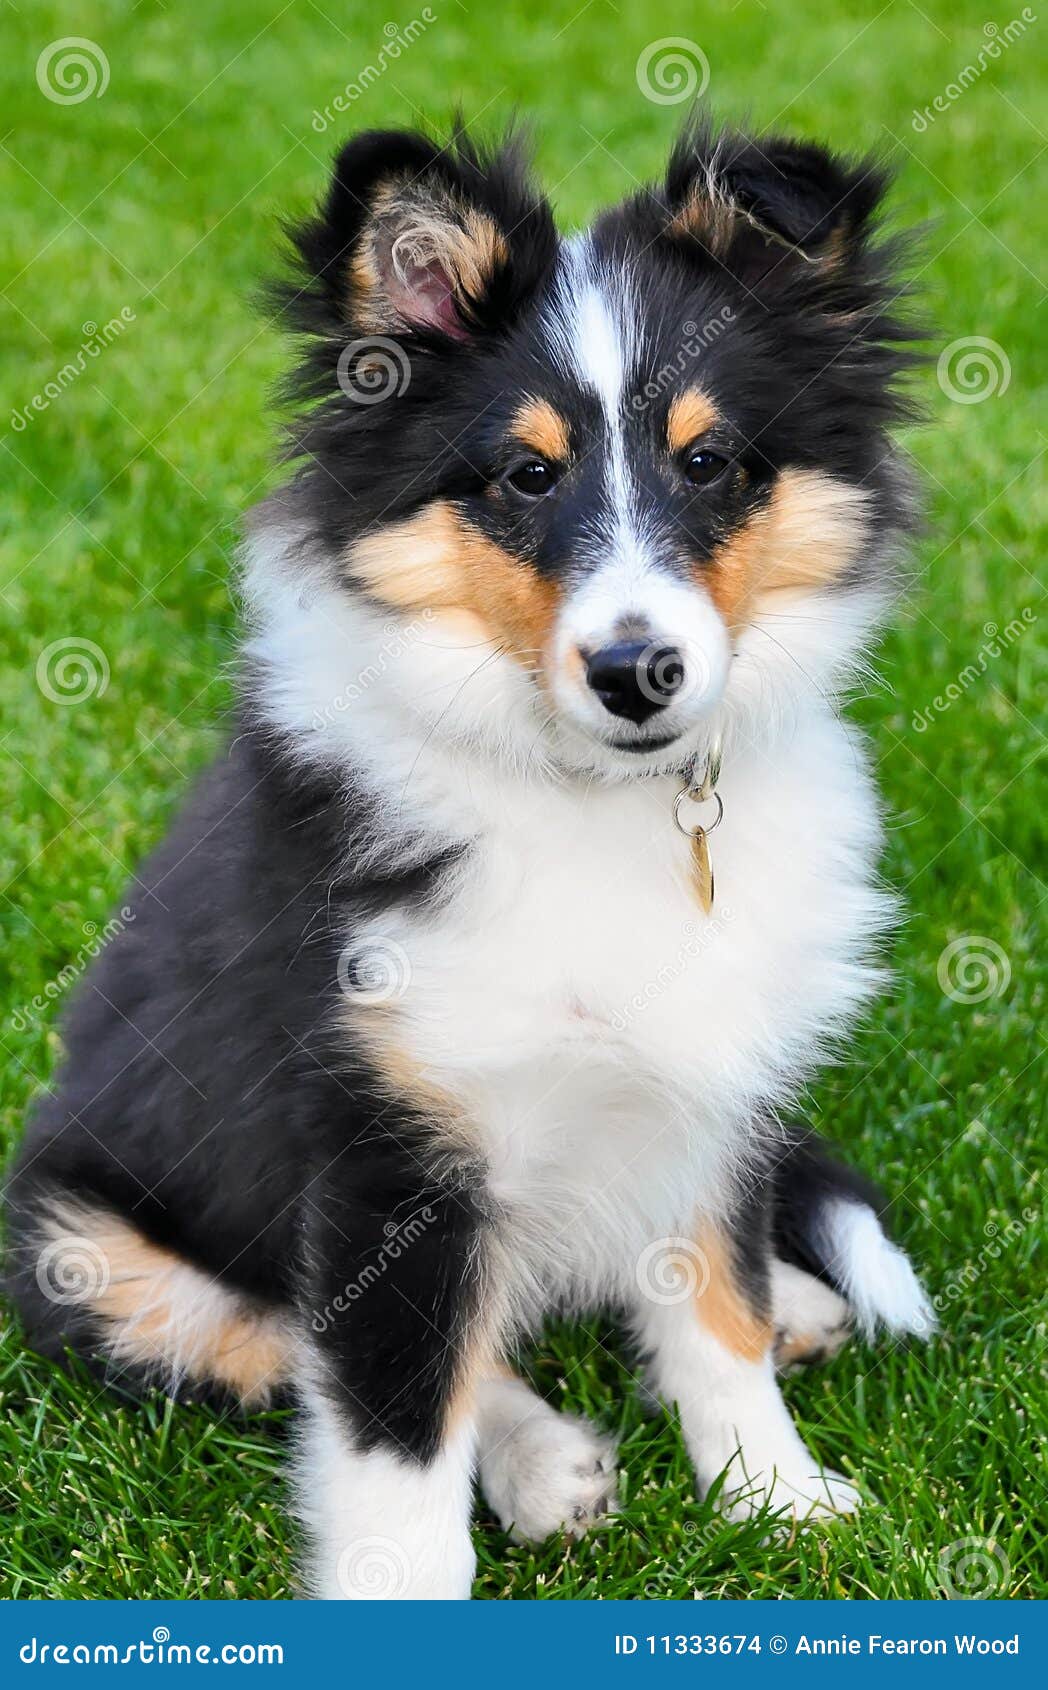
pixel 421 1030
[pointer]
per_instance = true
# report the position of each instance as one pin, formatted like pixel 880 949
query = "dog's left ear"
pixel 445 242
pixel 757 205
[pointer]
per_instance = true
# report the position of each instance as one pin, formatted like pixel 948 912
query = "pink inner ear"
pixel 422 294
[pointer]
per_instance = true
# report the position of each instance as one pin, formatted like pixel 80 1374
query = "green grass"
pixel 120 506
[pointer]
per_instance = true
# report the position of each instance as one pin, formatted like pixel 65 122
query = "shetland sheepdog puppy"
pixel 479 975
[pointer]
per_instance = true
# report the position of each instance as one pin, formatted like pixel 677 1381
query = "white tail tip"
pixel 873 1274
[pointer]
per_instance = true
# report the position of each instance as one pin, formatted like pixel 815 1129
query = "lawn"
pixel 153 205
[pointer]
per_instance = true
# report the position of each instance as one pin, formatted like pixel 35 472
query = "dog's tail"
pixel 827 1220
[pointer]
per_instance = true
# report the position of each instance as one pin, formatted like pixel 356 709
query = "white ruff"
pixel 609 1042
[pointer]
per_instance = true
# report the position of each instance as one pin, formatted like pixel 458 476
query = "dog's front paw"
pixel 802 1495
pixel 550 1473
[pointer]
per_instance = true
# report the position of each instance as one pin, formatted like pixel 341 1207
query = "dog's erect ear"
pixel 750 202
pixel 415 238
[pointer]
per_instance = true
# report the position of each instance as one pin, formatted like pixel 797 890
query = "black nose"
pixel 635 679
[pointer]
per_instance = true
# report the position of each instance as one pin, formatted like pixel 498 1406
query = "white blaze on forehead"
pixel 592 330
pixel 599 350
pixel 590 323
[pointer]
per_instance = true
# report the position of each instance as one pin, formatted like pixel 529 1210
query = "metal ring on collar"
pixel 697 797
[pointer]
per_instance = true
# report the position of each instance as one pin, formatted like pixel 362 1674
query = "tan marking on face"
pixel 541 427
pixel 456 630
pixel 805 538
pixel 692 413
pixel 723 1308
pixel 572 668
pixel 438 561
pixel 818 527
pixel 729 574
pixel 159 1312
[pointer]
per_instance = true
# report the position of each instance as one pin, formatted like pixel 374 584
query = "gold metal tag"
pixel 702 864
pixel 692 793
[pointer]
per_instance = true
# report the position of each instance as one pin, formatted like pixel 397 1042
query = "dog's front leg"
pixel 384 1466
pixel 382 1522
pixel 703 1317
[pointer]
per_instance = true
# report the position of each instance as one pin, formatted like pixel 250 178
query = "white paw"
pixel 811 1321
pixel 549 1473
pixel 379 1526
pixel 810 1495
pixel 378 1568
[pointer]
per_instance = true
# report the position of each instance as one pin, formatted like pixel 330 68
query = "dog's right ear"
pixel 441 242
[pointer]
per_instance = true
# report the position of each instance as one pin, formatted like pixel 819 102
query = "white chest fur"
pixel 610 1041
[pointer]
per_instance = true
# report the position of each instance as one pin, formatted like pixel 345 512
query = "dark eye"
pixel 703 467
pixel 533 479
